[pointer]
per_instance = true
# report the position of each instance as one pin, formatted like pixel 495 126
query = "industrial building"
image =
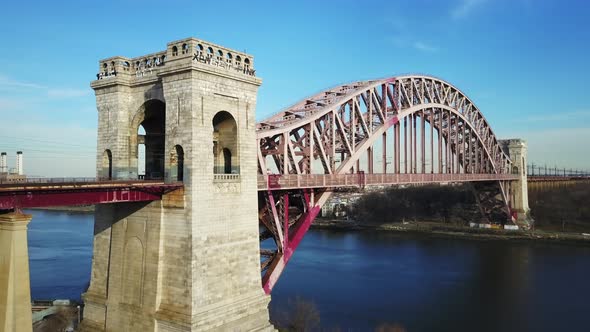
pixel 12 175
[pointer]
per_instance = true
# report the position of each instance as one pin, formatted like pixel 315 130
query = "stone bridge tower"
pixel 519 197
pixel 191 261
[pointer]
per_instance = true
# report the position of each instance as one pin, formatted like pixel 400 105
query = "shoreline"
pixel 437 229
pixel 73 208
pixel 455 231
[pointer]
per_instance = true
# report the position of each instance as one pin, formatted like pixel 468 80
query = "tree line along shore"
pixel 559 213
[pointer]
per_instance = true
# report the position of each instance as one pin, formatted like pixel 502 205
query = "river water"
pixel 360 280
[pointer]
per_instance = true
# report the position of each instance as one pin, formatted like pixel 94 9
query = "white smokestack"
pixel 3 163
pixel 19 163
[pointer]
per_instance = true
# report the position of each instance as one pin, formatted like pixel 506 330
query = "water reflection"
pixel 60 253
pixel 361 280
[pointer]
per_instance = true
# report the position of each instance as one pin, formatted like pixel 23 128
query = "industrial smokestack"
pixel 19 163
pixel 3 163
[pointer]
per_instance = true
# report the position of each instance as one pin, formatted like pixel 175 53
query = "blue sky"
pixel 523 62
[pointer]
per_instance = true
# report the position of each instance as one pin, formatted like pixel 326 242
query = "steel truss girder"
pixel 295 211
pixel 492 201
pixel 341 125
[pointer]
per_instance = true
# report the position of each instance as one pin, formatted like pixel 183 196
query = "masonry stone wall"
pixel 190 262
pixel 517 150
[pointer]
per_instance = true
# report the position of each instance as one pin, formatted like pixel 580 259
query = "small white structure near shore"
pixel 489 226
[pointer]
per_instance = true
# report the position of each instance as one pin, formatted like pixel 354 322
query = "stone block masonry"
pixel 190 262
pixel 15 291
pixel 517 150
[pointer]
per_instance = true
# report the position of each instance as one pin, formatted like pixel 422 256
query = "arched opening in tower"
pixel 227 161
pixel 151 134
pixel 141 152
pixel 177 164
pixel 225 144
pixel 107 165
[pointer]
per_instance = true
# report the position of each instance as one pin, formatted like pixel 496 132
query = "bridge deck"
pixel 556 178
pixel 298 181
pixel 84 191
pixel 62 192
pixel 73 185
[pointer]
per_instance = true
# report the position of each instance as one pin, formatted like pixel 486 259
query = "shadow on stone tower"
pixel 191 261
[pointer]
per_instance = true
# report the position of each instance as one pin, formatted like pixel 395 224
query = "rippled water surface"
pixel 360 280
pixel 60 253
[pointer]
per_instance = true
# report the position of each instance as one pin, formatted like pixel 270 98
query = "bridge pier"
pixel 15 292
pixel 519 198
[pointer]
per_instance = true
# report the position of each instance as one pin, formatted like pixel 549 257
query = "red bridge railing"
pixel 71 180
pixel 555 178
pixel 298 181
pixel 43 192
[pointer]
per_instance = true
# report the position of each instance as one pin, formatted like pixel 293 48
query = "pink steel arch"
pixel 335 133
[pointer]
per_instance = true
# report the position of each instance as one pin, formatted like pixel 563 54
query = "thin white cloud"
pixel 10 83
pixel 67 93
pixel 7 83
pixel 557 116
pixel 421 46
pixel 465 7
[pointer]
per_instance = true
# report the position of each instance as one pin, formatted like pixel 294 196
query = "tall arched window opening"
pixel 227 161
pixel 151 134
pixel 177 164
pixel 141 152
pixel 225 144
pixel 107 165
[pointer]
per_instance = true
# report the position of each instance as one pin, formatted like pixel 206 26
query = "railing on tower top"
pixel 193 50
pixel 225 177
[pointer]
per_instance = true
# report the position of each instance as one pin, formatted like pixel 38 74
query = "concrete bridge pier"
pixel 15 292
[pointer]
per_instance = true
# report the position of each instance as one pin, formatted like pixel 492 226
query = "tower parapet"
pixel 192 49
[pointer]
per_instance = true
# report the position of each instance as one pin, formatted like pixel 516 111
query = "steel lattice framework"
pixel 329 140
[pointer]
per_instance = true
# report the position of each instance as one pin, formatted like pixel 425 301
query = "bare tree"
pixel 298 315
pixel 57 322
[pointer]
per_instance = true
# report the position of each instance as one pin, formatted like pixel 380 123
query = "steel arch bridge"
pixel 329 140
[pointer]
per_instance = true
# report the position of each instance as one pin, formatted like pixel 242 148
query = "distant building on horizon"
pixel 13 174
